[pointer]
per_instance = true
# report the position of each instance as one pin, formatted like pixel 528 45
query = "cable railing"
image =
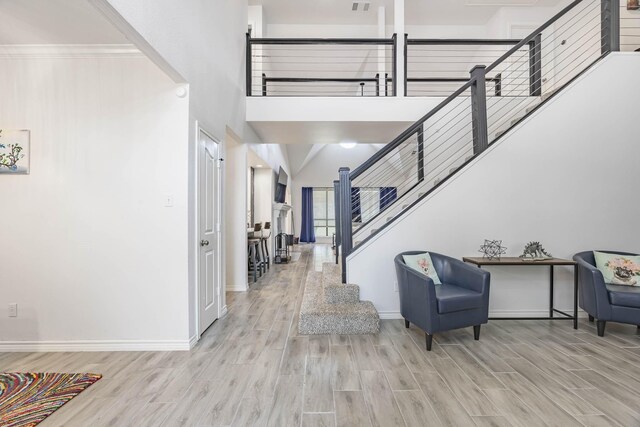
pixel 436 67
pixel 566 48
pixel 473 117
pixel 321 67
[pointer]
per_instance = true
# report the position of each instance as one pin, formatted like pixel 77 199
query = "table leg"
pixel 551 291
pixel 575 297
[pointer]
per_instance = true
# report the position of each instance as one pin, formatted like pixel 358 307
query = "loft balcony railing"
pixel 437 67
pixel 321 67
pixel 356 67
pixel 471 118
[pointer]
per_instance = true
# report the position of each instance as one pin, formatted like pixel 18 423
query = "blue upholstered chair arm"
pixel 418 301
pixel 593 291
pixel 459 273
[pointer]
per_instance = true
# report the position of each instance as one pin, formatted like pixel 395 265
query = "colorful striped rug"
pixel 27 399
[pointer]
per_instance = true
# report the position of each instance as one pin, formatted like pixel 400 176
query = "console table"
pixel 551 263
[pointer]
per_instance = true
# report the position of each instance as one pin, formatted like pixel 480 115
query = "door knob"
pixel 204 243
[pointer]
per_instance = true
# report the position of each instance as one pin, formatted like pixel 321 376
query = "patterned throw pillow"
pixel 618 269
pixel 423 264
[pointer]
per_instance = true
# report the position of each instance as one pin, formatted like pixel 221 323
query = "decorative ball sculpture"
pixel 492 249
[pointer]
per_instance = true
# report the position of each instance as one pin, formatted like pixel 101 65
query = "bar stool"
pixel 254 265
pixel 264 241
pixel 261 257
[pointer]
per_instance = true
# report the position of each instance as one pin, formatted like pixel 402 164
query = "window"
pixel 324 214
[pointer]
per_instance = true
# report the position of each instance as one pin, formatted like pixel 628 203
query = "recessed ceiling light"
pixel 259 166
pixel 348 145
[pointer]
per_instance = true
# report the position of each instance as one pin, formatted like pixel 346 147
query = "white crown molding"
pixel 68 51
pixel 105 345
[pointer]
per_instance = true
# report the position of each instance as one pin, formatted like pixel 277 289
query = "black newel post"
pixel 406 63
pixel 336 203
pixel 421 153
pixel 248 64
pixel 346 232
pixel 610 27
pixel 479 109
pixel 535 66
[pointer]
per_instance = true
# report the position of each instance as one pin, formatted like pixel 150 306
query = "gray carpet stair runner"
pixel 330 307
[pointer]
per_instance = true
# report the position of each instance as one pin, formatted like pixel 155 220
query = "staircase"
pixel 455 133
pixel 330 307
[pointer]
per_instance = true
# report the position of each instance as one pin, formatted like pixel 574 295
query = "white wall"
pixel 235 213
pixel 205 43
pixel 563 177
pixel 90 254
pixel 323 31
pixel 322 170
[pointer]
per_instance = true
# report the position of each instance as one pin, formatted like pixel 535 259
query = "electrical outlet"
pixel 13 310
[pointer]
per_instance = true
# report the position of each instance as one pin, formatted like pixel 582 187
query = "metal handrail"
pixel 472 42
pixel 308 41
pixel 408 132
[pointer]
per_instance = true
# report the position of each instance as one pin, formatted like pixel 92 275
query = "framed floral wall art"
pixel 15 153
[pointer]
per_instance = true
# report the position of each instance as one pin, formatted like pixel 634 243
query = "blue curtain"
pixel 356 212
pixel 307 233
pixel 387 196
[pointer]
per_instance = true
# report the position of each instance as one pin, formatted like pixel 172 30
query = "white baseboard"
pixel 236 288
pixel 391 315
pixel 90 345
pixel 193 341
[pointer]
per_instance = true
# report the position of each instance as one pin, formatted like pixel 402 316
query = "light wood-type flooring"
pixel 252 368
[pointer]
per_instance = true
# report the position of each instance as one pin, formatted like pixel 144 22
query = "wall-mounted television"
pixel 281 186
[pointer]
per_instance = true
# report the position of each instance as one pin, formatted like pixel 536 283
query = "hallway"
pixel 252 368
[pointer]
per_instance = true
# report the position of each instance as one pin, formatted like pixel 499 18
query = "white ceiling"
pixel 334 12
pixel 304 140
pixel 417 12
pixel 300 155
pixel 463 12
pixel 55 22
pixel 328 132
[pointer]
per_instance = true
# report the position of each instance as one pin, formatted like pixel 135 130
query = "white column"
pixel 398 28
pixel 256 20
pixel 382 56
pixel 235 213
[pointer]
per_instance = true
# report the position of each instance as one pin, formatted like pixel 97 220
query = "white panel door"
pixel 209 231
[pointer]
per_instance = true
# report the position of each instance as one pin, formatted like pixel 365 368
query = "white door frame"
pixel 197 227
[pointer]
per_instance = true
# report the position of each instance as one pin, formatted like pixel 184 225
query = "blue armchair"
pixel 461 300
pixel 602 301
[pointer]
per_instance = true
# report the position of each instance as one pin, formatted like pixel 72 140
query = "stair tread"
pixel 317 316
pixel 360 307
